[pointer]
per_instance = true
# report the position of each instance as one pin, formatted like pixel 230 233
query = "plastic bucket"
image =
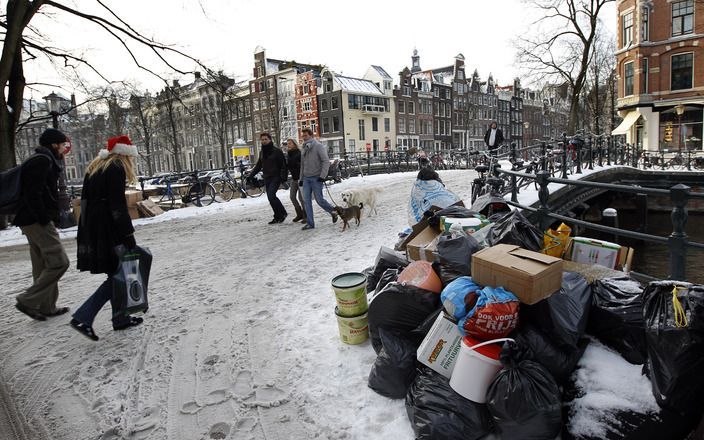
pixel 353 330
pixel 477 365
pixel 351 294
pixel 421 274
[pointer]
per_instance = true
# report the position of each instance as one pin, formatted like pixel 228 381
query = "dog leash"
pixel 329 194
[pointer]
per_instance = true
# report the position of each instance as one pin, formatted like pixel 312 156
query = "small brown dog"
pixel 347 214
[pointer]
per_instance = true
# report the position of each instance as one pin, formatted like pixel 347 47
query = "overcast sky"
pixel 345 35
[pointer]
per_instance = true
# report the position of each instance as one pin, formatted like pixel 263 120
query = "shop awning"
pixel 627 123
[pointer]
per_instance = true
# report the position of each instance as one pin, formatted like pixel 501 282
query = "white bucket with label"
pixel 477 365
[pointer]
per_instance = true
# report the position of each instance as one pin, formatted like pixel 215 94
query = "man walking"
pixel 493 138
pixel 272 163
pixel 314 169
pixel 36 215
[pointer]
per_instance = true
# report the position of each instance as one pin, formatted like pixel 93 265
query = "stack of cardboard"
pixel 132 198
pixel 148 208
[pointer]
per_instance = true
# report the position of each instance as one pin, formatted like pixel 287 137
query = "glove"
pixel 130 243
pixel 321 180
pixel 300 183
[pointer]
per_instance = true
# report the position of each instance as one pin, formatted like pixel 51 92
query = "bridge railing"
pixel 679 195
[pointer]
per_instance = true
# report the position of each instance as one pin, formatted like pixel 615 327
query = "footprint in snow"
pixel 219 431
pixel 243 386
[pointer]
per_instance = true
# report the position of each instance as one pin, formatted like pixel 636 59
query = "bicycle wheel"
pixel 253 190
pixel 201 194
pixel 225 192
pixel 167 200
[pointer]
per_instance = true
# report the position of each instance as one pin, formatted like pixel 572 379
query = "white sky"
pixel 347 35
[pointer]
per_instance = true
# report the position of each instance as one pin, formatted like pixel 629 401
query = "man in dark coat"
pixel 36 215
pixel 493 138
pixel 272 163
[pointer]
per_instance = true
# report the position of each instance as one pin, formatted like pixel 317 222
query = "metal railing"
pixel 679 195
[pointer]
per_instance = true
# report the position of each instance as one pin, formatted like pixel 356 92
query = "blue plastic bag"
pixel 454 294
pixel 494 315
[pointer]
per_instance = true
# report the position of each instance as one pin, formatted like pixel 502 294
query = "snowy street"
pixel 240 342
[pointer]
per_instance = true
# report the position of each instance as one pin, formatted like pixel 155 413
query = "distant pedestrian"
pixel 295 192
pixel 493 138
pixel 36 216
pixel 272 163
pixel 314 169
pixel 105 224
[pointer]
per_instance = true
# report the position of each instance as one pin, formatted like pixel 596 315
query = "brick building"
pixel 660 62
pixel 307 103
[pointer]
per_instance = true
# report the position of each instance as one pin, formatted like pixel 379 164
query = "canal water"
pixel 654 259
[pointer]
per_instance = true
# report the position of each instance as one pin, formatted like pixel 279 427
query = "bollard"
pixel 514 189
pixel 578 146
pixel 543 156
pixel 591 152
pixel 679 195
pixel 564 155
pixel 609 217
pixel 543 197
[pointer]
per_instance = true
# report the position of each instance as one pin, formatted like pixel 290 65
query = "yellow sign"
pixel 668 132
pixel 240 151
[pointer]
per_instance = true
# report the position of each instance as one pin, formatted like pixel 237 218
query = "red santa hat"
pixel 119 145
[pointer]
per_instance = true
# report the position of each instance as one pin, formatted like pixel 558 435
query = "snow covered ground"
pixel 241 340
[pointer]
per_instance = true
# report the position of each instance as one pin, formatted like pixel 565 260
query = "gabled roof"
pixel 357 85
pixel 381 72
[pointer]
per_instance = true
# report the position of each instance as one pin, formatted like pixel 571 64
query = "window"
pixel 375 124
pixel 313 126
pixel 375 142
pixel 401 125
pixel 353 101
pixel 361 129
pixel 644 27
pixel 626 29
pixel 326 125
pixel 335 104
pixel 406 91
pixel 682 17
pixel 323 104
pixel 644 76
pixel 681 71
pixel 402 107
pixel 387 125
pixel 411 108
pixel 335 124
pixel 412 126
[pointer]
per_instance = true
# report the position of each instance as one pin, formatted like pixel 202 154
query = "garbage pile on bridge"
pixel 488 330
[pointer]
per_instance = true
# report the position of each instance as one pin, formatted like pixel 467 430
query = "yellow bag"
pixel 554 241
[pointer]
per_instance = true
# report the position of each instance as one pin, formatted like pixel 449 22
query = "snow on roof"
pixel 357 85
pixel 381 72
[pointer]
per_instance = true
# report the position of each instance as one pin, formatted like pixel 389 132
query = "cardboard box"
pixel 530 276
pixel 148 208
pixel 134 212
pixel 592 251
pixel 469 225
pixel 424 246
pixel 441 346
pixel 132 198
pixel 420 226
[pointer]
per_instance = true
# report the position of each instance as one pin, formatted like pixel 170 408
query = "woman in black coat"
pixel 104 224
pixel 294 166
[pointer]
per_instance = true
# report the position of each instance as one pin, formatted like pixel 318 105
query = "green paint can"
pixel 351 294
pixel 353 330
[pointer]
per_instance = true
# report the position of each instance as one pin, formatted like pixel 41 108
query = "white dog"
pixel 366 196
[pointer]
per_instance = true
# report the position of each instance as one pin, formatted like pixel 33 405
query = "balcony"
pixel 371 108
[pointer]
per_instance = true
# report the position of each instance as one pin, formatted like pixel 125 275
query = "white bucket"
pixel 474 371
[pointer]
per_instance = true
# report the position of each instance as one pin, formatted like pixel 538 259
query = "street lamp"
pixel 66 220
pixel 679 109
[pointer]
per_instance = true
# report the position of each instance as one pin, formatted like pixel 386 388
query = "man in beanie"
pixel 36 215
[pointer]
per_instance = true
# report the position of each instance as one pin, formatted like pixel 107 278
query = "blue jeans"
pixel 86 313
pixel 313 188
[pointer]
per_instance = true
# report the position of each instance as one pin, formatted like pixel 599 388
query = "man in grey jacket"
pixel 314 169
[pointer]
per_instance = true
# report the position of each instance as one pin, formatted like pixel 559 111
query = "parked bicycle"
pixel 227 186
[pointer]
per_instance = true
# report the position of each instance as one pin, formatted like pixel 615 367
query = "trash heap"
pixel 481 326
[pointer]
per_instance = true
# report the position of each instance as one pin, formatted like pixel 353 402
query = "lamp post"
pixel 526 133
pixel 66 220
pixel 679 109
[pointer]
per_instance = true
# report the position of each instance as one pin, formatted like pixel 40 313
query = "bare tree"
pixel 215 114
pixel 168 122
pixel 597 84
pixel 560 46
pixel 142 124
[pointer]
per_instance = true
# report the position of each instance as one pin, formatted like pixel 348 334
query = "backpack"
pixel 11 188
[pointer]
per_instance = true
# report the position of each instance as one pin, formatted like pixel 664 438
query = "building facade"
pixel 307 114
pixel 660 65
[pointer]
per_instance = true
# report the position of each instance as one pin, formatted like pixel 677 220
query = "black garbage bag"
pixel 455 255
pixel 389 276
pixel 524 401
pixel 538 347
pixel 563 315
pixel 400 309
pixel 616 317
pixel 514 228
pixel 674 332
pixel 437 412
pixel 419 333
pixel 454 211
pixel 387 258
pixel 395 366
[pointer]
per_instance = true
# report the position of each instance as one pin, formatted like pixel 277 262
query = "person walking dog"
pixel 314 169
pixel 272 163
pixel 104 224
pixel 296 193
pixel 36 215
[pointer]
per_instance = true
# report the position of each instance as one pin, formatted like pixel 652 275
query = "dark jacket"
pixel 105 221
pixel 40 189
pixel 498 140
pixel 294 163
pixel 271 162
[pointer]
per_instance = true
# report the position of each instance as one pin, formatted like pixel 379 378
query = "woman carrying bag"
pixel 105 224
